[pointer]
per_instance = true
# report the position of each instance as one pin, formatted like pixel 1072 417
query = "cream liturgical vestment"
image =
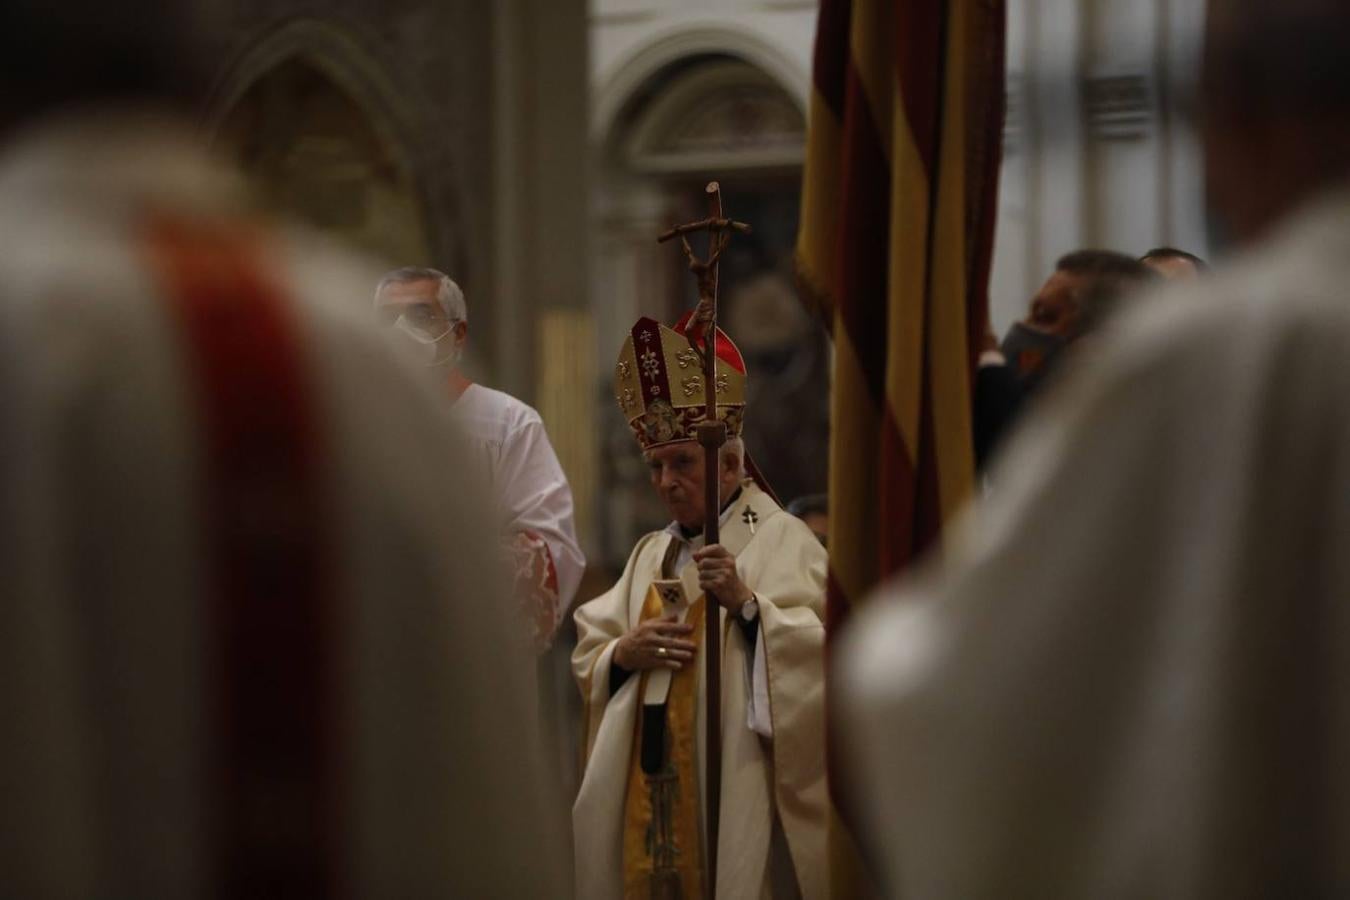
pixel 781 561
pixel 1131 676
pixel 251 641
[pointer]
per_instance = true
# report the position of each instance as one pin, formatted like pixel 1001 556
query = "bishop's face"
pixel 678 476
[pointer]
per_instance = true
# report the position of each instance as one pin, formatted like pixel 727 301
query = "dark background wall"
pixel 449 134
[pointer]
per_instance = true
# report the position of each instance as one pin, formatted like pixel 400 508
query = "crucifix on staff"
pixel 712 435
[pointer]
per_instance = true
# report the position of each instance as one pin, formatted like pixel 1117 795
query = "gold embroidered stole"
pixel 662 848
pixel 662 837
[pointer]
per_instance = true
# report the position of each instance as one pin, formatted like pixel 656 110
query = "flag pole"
pixel 712 436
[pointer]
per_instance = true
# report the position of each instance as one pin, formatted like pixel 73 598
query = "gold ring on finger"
pixel 662 651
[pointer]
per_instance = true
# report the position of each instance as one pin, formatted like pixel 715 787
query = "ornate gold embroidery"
pixel 661 423
pixel 721 383
pixel 650 364
pixel 662 858
pixel 687 358
pixel 692 385
pixel 627 401
pixel 625 370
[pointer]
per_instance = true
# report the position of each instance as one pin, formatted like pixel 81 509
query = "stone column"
pixel 1056 175
pixel 1124 149
pixel 542 242
pixel 540 254
pixel 1015 268
pixel 1180 38
pixel 539 158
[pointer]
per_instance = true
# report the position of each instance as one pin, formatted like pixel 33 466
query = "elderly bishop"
pixel 639 815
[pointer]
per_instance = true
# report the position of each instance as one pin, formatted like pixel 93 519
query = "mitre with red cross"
pixel 659 383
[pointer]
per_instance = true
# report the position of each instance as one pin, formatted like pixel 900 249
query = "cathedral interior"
pixel 343 492
pixel 533 149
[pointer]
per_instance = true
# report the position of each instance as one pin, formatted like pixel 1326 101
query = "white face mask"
pixel 429 349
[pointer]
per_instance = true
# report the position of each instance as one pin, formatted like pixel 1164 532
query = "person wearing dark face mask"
pixel 1130 676
pixel 1082 292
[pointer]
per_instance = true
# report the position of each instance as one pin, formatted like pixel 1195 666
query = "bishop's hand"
pixel 717 576
pixel 655 644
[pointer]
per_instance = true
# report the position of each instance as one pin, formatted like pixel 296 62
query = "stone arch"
pixel 713 113
pixel 616 88
pixel 331 50
pixel 344 74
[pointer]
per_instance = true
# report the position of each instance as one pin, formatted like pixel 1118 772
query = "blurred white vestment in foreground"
pixel 249 644
pixel 1128 678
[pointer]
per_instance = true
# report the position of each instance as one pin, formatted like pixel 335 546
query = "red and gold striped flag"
pixel 898 209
